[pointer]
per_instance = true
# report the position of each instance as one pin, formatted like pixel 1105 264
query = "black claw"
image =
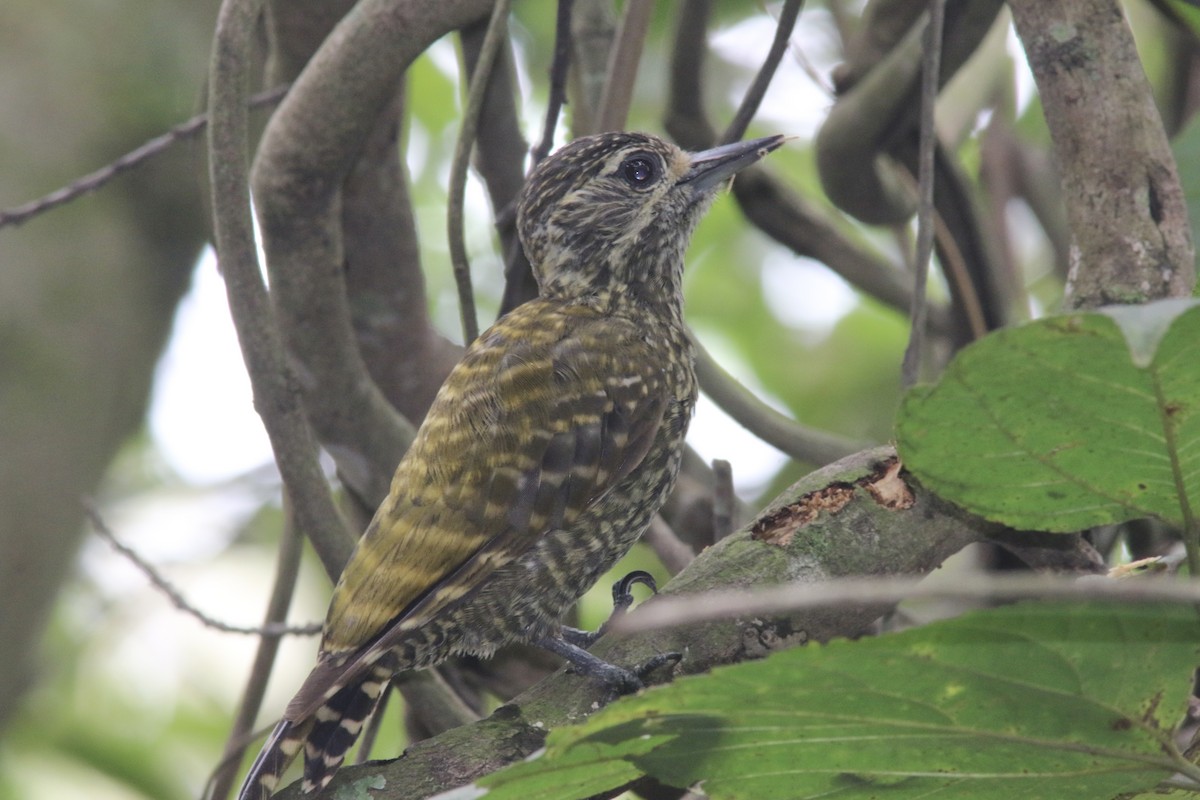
pixel 623 596
pixel 621 590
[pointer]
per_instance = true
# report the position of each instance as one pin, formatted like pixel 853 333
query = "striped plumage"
pixel 546 452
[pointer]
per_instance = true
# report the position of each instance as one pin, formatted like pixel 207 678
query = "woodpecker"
pixel 544 455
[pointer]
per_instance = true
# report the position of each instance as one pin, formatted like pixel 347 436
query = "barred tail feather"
pixel 277 753
pixel 336 726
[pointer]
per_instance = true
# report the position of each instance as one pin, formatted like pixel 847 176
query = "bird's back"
pixel 559 425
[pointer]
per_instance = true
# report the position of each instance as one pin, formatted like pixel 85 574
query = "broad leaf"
pixel 1029 701
pixel 1068 422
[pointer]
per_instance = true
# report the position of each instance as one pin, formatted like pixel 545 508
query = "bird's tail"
pixel 326 736
pixel 336 726
pixel 277 753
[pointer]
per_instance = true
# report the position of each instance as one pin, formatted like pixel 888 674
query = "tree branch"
pixel 273 629
pixel 795 223
pixel 308 149
pixel 275 392
pixel 558 79
pixel 593 30
pixel 988 587
pixel 385 285
pixel 287 569
pixel 919 313
pixel 804 444
pixel 869 141
pixel 134 158
pixel 762 81
pixel 500 161
pixel 623 65
pixel 1131 240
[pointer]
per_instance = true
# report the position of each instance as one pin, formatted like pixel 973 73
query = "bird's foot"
pixel 622 595
pixel 571 643
pixel 619 679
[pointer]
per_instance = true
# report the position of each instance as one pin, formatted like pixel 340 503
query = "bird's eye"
pixel 639 171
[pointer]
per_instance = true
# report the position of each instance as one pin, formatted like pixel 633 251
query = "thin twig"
pixel 287 569
pixel 931 72
pixel 670 611
pixel 95 180
pixel 558 79
pixel 496 30
pixel 758 88
pixel 623 66
pixel 176 597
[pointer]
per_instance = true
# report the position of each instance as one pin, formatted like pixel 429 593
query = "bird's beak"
pixel 710 167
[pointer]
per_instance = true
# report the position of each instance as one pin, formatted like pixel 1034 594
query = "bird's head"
pixel 611 214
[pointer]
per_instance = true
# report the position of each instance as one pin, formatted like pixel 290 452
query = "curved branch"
pixel 307 151
pixel 385 286
pixel 275 394
pixel 856 175
pixel 801 443
pixel 869 142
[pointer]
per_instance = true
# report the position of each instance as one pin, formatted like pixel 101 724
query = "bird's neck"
pixel 648 287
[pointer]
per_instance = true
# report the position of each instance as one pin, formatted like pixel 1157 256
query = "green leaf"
pixel 582 771
pixel 1028 701
pixel 1068 422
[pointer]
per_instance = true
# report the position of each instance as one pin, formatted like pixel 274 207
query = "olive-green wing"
pixel 545 414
